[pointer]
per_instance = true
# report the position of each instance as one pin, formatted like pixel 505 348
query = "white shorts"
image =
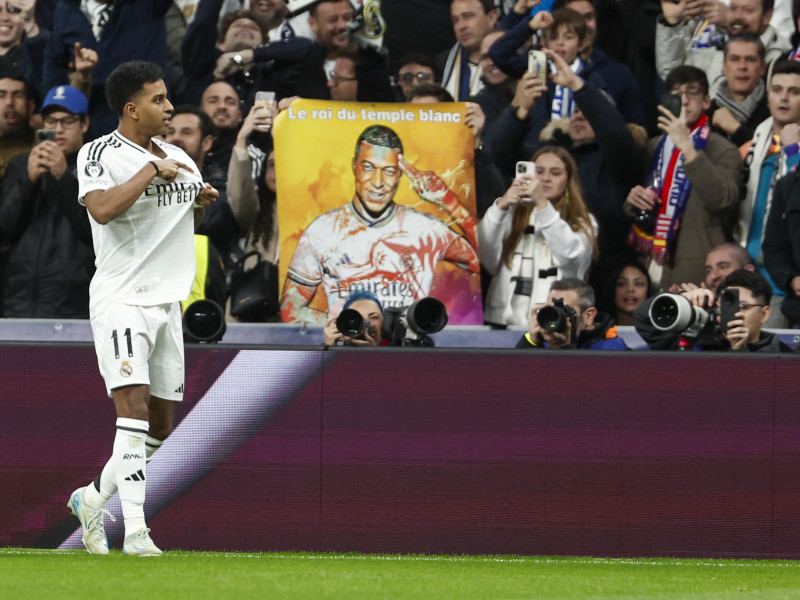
pixel 141 345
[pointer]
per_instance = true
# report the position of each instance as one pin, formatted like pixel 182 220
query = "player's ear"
pixel 131 111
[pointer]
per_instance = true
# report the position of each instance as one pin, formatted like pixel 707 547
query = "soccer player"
pixel 141 193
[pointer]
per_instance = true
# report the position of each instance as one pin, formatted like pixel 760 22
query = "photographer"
pixel 741 333
pixel 582 326
pixel 371 311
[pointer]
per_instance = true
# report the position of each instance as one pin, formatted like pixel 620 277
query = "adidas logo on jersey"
pixel 138 476
pixel 179 389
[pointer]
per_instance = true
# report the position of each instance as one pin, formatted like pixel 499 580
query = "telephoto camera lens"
pixel 204 321
pixel 552 318
pixel 427 315
pixel 350 323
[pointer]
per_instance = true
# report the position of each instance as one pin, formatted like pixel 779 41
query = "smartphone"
pixel 525 167
pixel 44 135
pixel 672 102
pixel 537 63
pixel 728 307
pixel 264 98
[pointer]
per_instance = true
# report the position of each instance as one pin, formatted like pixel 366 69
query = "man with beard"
pixel 16 109
pixel 686 35
pixel 221 102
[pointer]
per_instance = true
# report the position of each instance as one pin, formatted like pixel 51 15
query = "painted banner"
pixel 376 197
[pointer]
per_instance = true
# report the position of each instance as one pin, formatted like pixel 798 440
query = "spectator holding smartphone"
pixel 539 230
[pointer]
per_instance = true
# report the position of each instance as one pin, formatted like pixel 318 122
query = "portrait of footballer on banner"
pixel 383 202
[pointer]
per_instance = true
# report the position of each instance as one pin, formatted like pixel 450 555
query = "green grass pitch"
pixel 53 574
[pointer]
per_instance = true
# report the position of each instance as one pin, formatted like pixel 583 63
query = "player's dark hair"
pixel 379 135
pixel 127 80
pixel 750 38
pixel 685 74
pixel 207 126
pixel 749 280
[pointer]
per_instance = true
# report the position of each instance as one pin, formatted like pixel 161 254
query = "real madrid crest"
pixel 126 370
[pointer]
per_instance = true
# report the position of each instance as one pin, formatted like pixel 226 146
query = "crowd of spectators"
pixel 665 139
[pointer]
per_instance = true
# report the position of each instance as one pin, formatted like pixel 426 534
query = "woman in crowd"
pixel 626 288
pixel 539 230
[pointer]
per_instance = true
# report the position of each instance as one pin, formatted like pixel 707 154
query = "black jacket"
pixel 781 246
pixel 51 258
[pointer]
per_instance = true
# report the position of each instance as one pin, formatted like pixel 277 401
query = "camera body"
pixel 412 325
pixel 554 318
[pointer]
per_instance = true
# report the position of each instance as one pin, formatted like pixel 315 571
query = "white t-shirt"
pixel 393 257
pixel 145 256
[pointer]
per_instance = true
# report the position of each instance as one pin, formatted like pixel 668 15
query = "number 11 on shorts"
pixel 116 343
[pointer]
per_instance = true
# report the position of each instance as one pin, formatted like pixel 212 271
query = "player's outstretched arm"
pixel 430 187
pixel 295 304
pixel 107 205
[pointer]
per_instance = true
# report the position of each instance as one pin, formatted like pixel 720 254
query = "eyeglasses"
pixel 690 92
pixel 745 305
pixel 66 122
pixel 337 79
pixel 409 77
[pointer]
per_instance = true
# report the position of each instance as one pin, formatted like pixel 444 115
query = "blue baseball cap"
pixel 68 98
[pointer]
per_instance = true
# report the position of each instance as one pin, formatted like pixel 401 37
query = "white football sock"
pixel 130 467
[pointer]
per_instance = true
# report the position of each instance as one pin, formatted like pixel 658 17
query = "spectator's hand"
pixel 716 12
pixel 794 285
pixel 564 76
pixel 684 287
pixel 790 134
pixel 226 65
pixel 258 119
pixel 169 167
pixel 426 184
pixel 700 297
pixel 675 13
pixel 541 20
pixel 46 157
pixel 523 7
pixel 642 198
pixel 554 339
pixel 284 103
pixel 737 332
pixel 675 128
pixel 332 334
pixel 27 15
pixel 529 89
pixel 475 120
pixel 724 119
pixel 85 60
pixel 520 191
pixel 207 195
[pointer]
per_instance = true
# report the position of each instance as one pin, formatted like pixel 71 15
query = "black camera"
pixel 204 321
pixel 350 323
pixel 412 325
pixel 728 307
pixel 554 318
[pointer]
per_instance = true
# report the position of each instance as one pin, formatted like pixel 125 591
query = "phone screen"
pixel 672 102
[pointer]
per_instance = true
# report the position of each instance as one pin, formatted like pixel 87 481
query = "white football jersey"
pixel 146 255
pixel 393 257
